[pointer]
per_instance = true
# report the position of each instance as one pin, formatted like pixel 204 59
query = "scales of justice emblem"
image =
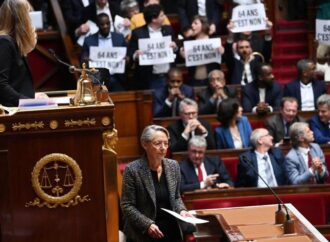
pixel 57 179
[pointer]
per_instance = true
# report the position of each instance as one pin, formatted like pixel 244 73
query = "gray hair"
pixel 324 99
pixel 296 132
pixel 187 102
pixel 149 132
pixel 221 74
pixel 255 136
pixel 126 4
pixel 302 65
pixel 198 141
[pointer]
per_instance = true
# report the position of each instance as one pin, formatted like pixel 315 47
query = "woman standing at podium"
pixel 17 39
pixel 149 184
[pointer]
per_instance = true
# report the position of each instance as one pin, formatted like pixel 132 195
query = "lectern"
pixel 58 177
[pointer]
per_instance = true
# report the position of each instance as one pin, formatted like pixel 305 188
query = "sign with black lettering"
pixel 110 58
pixel 249 18
pixel 322 31
pixel 156 51
pixel 204 51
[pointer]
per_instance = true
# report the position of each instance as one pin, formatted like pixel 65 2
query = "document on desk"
pixel 191 220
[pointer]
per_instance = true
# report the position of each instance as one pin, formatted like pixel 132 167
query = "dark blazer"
pixel 276 128
pixel 236 67
pixel 321 130
pixel 138 200
pixel 187 9
pixel 73 12
pixel 246 177
pixel 250 93
pixel 15 76
pixel 292 89
pixel 178 143
pixel 143 74
pixel 213 165
pixel 205 105
pixel 91 12
pixel 160 108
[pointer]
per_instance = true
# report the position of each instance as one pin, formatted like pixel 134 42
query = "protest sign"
pixel 204 51
pixel 322 31
pixel 249 18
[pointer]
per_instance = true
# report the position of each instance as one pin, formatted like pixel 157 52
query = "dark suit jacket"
pixel 213 165
pixel 90 11
pixel 205 106
pixel 15 77
pixel 236 67
pixel 292 89
pixel 138 200
pixel 143 74
pixel 246 177
pixel 187 9
pixel 178 143
pixel 276 128
pixel 250 93
pixel 160 108
pixel 321 130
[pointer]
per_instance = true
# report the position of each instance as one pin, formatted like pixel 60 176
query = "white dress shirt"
pixel 202 184
pixel 201 7
pixel 307 97
pixel 262 169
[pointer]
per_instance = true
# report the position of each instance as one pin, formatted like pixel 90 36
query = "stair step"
pixel 296 36
pixel 289 48
pixel 285 25
pixel 286 61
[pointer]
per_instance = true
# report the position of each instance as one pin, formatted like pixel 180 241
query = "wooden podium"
pixel 255 223
pixel 58 175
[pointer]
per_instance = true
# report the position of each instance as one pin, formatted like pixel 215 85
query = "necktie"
pixel 310 164
pixel 268 172
pixel 200 173
pixel 287 127
pixel 174 105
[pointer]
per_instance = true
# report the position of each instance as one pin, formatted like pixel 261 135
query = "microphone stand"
pixel 280 217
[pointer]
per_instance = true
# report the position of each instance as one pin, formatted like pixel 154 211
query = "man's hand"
pixel 175 92
pixel 210 180
pixel 154 232
pixel 317 165
pixel 262 108
pixel 222 185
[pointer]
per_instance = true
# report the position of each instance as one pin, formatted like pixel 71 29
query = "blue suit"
pixel 296 167
pixel 118 40
pixel 160 108
pixel 246 176
pixel 321 130
pixel 213 165
pixel 251 99
pixel 292 89
pixel 224 139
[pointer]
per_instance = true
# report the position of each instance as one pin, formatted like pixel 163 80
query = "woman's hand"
pixel 185 214
pixel 154 232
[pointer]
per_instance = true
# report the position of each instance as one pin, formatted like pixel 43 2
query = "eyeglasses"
pixel 265 135
pixel 159 144
pixel 190 113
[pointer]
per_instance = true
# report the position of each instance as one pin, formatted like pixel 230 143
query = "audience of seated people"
pixel 263 160
pixel 200 171
pixel 189 125
pixel 235 130
pixel 305 163
pixel 320 122
pixel 278 125
pixel 305 88
pixel 197 75
pixel 105 38
pixel 216 91
pixel 166 99
pixel 264 94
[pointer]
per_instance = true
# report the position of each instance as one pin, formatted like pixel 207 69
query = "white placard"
pixel 92 30
pixel 156 51
pixel 36 18
pixel 204 51
pixel 322 31
pixel 120 27
pixel 191 220
pixel 249 18
pixel 110 58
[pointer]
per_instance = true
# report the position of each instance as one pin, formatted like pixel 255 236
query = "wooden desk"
pixel 253 223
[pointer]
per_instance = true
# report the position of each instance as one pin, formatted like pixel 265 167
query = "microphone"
pixel 280 217
pixel 72 69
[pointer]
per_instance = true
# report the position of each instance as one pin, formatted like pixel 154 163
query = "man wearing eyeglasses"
pixel 199 171
pixel 189 126
pixel 264 160
pixel 166 99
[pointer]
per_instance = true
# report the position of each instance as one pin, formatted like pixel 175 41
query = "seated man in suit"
pixel 166 100
pixel 263 95
pixel 188 126
pixel 278 125
pixel 266 160
pixel 216 91
pixel 305 88
pixel 199 171
pixel 105 38
pixel 305 162
pixel 320 122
